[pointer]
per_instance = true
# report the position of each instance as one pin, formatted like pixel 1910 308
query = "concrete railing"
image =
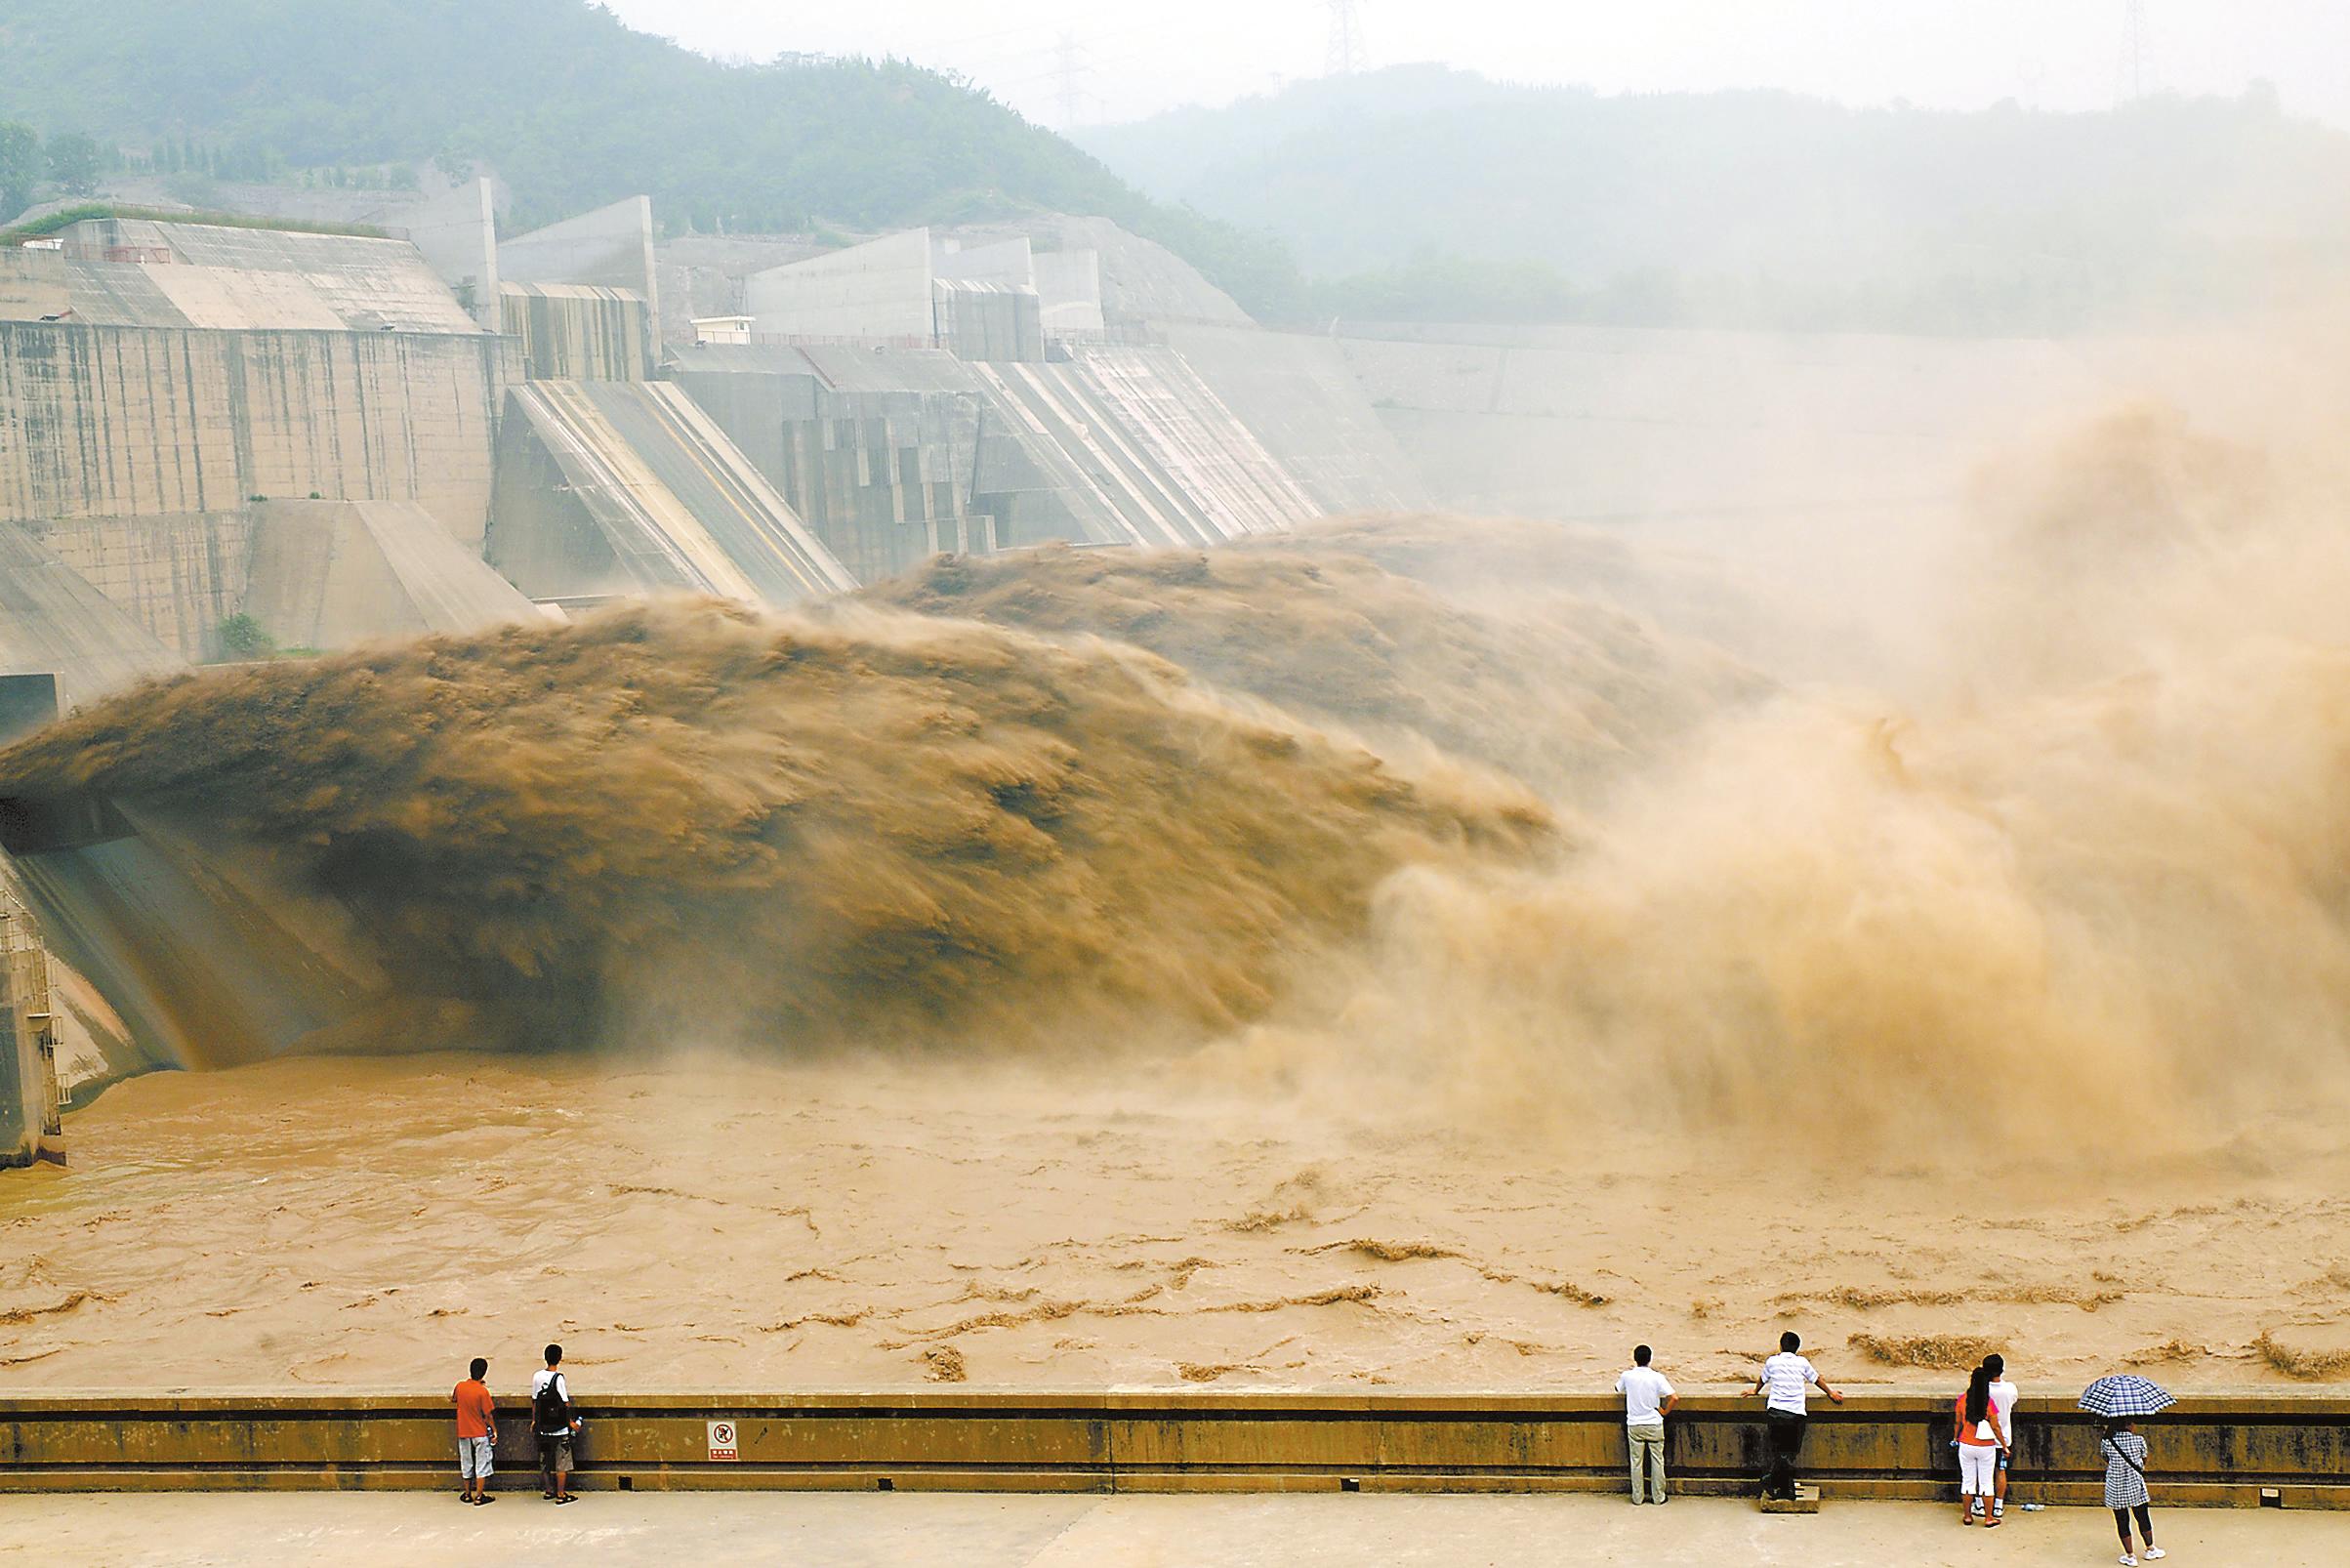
pixel 2288 1450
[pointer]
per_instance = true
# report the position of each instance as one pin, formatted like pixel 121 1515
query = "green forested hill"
pixel 1422 191
pixel 1413 192
pixel 573 109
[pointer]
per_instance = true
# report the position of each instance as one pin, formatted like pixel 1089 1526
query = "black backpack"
pixel 551 1410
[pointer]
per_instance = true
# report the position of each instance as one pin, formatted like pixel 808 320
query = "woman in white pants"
pixel 1982 1437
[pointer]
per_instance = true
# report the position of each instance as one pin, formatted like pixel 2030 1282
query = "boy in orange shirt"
pixel 477 1434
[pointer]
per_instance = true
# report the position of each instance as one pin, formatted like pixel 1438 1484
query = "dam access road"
pixel 833 1530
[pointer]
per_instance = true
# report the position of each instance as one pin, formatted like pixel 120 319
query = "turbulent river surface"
pixel 716 1221
pixel 1415 950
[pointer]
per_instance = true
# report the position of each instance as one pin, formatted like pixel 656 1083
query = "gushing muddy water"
pixel 1417 951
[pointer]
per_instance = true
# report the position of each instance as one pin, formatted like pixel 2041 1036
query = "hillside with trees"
pixel 1412 193
pixel 1421 192
pixel 571 108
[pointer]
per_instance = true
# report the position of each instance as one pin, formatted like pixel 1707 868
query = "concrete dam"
pixel 211 436
pixel 216 441
pixel 220 441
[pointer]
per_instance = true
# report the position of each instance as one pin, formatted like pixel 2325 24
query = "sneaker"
pixel 2154 1553
pixel 2128 1561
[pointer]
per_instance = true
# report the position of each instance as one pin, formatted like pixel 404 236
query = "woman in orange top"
pixel 1982 1438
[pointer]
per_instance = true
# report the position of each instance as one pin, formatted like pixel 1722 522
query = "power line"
pixel 1346 53
pixel 997 33
pixel 1094 36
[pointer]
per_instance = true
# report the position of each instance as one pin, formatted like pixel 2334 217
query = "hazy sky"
pixel 1142 56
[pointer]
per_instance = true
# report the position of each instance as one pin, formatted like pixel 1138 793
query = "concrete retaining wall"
pixel 879 290
pixel 323 575
pixel 989 322
pixel 179 575
pixel 333 574
pixel 611 246
pixel 1068 287
pixel 115 421
pixel 704 276
pixel 32 284
pixel 53 622
pixel 579 332
pixel 2216 1451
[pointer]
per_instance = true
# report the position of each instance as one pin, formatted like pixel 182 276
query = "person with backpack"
pixel 477 1432
pixel 2125 1487
pixel 553 1419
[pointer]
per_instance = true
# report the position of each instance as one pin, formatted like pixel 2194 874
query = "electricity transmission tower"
pixel 2130 85
pixel 1346 53
pixel 1068 72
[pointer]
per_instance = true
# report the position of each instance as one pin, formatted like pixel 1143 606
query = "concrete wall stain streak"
pixel 179 575
pixel 118 422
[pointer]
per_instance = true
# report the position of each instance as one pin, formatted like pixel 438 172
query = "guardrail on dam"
pixel 2284 1450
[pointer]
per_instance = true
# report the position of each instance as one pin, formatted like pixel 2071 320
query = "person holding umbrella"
pixel 2119 1400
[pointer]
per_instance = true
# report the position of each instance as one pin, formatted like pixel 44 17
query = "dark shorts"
pixel 555 1455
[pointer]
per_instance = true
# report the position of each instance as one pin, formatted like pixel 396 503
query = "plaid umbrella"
pixel 2124 1395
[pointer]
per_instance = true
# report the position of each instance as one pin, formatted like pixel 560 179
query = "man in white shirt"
pixel 2002 1400
pixel 555 1424
pixel 1647 1400
pixel 1784 1382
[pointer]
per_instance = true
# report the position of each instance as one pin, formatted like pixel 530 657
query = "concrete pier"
pixel 31 1128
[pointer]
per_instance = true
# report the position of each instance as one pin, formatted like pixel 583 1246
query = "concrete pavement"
pixel 865 1530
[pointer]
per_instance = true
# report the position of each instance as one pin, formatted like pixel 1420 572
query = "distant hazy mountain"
pixel 573 108
pixel 1419 185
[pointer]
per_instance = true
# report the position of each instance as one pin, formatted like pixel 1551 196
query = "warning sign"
pixel 721 1440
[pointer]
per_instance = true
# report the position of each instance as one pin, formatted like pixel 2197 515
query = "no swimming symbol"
pixel 721 1440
